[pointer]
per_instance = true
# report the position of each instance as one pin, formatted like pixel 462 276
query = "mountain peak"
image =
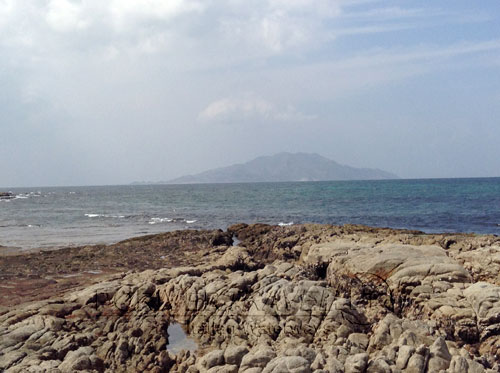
pixel 285 166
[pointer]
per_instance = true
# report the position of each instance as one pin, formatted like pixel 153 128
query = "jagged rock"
pixel 356 363
pixel 212 359
pixel 292 364
pixel 458 364
pixel 234 354
pixel 224 369
pixel 257 358
pixel 96 294
pixel 418 361
pixel 288 299
pixel 79 359
pixel 404 354
pixel 378 366
pixel 440 356
pixel 11 358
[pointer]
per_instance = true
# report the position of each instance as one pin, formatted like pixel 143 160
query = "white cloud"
pixel 6 8
pixel 125 11
pixel 250 107
pixel 64 15
pixel 278 26
pixel 201 33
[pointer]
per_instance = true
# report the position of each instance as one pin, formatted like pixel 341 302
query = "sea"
pixel 69 216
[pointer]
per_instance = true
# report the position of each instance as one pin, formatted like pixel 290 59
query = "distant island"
pixel 283 167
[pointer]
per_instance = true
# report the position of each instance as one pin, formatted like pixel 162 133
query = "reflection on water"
pixel 236 242
pixel 178 339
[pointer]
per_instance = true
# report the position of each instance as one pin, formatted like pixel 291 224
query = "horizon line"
pixel 151 183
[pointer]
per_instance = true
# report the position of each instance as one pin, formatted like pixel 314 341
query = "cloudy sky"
pixel 108 92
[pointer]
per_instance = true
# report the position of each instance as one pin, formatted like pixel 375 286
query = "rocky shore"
pixel 303 298
pixel 6 195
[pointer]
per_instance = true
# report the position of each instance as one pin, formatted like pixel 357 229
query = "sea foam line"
pixel 104 216
pixel 160 220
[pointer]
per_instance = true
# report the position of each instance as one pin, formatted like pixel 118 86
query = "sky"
pixel 99 92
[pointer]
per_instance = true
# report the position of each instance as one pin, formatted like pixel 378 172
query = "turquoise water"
pixel 44 217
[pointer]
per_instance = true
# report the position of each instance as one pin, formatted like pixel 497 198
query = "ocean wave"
pixel 281 224
pixel 104 216
pixel 170 220
pixel 160 220
pixel 27 195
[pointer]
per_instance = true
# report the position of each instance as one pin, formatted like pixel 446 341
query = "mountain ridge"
pixel 284 167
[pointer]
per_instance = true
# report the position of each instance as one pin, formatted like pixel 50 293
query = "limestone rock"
pixel 257 358
pixel 212 359
pixel 356 363
pixel 234 354
pixel 284 364
pixel 306 298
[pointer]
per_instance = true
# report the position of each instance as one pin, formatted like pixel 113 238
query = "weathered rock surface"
pixel 296 299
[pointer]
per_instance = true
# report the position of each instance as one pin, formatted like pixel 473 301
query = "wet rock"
pixel 6 195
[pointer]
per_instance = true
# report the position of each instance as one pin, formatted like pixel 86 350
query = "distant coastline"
pixel 283 167
pixel 403 179
pixel 104 214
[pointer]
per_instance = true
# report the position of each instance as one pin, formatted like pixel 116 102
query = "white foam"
pixel 190 221
pixel 160 220
pixel 281 224
pixel 104 216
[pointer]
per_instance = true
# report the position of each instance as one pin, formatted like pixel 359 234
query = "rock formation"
pixel 308 298
pixel 6 195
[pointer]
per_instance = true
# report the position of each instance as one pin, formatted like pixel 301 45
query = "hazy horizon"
pixel 108 93
pixel 4 188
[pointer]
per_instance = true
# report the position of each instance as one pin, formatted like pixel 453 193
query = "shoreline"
pixel 18 250
pixel 322 297
pixel 61 268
